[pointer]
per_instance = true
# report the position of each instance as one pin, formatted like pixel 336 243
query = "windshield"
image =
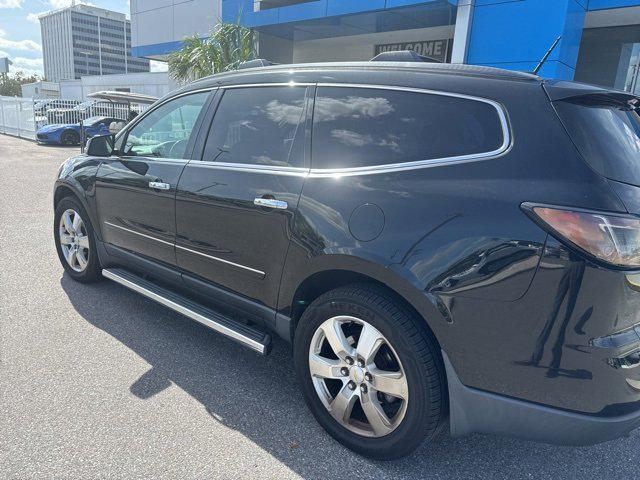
pixel 607 134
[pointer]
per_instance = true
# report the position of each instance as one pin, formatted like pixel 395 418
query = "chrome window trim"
pixel 395 167
pixel 369 170
pixel 277 84
pixel 163 160
pixel 253 270
pixel 138 233
pixel 251 167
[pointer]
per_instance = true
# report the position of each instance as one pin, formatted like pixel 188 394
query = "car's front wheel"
pixel 370 372
pixel 75 241
pixel 70 137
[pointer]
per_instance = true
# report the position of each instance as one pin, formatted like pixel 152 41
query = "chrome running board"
pixel 256 340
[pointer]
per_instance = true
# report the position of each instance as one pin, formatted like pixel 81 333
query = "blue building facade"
pixel 511 34
pixel 600 38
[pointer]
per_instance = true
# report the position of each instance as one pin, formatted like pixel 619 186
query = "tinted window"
pixel 258 126
pixel 607 134
pixel 357 127
pixel 165 132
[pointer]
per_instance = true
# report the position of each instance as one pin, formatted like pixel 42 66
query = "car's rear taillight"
pixel 611 238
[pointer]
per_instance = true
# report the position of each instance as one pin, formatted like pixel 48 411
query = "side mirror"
pixel 100 146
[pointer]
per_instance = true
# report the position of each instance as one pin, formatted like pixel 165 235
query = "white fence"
pixel 22 117
pixel 17 117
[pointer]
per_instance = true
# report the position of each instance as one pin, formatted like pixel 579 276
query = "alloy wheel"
pixel 69 138
pixel 358 376
pixel 74 240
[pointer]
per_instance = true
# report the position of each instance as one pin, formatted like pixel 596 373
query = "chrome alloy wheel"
pixel 358 376
pixel 74 240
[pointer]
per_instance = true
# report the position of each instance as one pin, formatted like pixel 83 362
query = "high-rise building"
pixel 86 40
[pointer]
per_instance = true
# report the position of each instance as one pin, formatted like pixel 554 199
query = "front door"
pixel 235 208
pixel 135 190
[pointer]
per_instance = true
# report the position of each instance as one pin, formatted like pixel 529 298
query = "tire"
pixel 85 266
pixel 418 362
pixel 70 137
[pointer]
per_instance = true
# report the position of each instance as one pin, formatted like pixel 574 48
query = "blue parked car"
pixel 69 134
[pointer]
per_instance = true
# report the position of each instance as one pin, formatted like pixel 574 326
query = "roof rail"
pixel 258 62
pixel 403 56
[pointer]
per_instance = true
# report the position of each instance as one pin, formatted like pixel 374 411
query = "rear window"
pixel 607 134
pixel 361 127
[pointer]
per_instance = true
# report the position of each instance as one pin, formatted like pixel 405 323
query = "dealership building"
pixel 600 38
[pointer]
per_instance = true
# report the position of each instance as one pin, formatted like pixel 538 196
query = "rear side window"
pixel 363 127
pixel 259 126
pixel 607 134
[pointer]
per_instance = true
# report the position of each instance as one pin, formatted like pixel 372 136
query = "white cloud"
pixel 28 66
pixel 65 3
pixel 158 66
pixel 60 3
pixel 26 71
pixel 328 109
pixel 284 112
pixel 11 3
pixel 21 45
pixel 27 62
pixel 33 17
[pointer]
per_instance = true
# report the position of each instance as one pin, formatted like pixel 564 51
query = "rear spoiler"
pixel 610 99
pixel 564 90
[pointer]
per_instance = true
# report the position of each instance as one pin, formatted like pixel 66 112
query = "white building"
pixel 159 26
pixel 156 84
pixel 86 40
pixel 41 90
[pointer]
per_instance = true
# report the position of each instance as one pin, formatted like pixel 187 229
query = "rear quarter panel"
pixel 453 233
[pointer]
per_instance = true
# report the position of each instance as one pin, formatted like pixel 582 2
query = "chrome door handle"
pixel 159 185
pixel 270 203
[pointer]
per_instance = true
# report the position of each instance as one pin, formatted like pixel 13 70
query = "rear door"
pixel 235 208
pixel 135 190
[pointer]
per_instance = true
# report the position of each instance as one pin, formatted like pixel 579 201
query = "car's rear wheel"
pixel 70 137
pixel 370 372
pixel 75 241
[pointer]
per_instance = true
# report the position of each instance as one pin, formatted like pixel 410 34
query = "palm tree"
pixel 228 45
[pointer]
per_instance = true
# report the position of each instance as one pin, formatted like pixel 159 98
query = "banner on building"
pixel 436 49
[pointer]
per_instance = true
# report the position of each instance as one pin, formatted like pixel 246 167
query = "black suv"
pixel 438 242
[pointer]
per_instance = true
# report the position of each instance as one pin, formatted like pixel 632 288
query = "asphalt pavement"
pixel 97 382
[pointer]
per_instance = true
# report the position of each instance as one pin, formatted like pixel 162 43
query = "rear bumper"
pixel 473 410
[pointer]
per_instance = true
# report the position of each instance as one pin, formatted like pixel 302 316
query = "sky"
pixel 20 38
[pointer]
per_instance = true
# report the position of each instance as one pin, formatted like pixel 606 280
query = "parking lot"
pixel 97 382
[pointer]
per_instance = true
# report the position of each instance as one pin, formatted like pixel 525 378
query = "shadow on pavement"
pixel 258 397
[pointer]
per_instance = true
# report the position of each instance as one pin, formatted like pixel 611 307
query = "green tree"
pixel 228 45
pixel 10 85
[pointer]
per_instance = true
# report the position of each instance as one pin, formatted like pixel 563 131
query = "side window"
pixel 360 127
pixel 165 132
pixel 259 126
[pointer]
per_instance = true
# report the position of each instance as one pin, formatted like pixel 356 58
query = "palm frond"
pixel 228 45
